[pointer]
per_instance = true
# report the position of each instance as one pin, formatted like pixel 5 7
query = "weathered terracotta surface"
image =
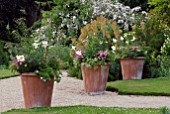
pixel 95 80
pixel 132 68
pixel 36 92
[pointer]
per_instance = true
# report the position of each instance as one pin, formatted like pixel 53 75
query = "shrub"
pixel 75 71
pixel 63 54
pixel 164 110
pixel 164 58
pixel 67 17
pixel 4 55
pixel 115 71
pixel 161 10
pixel 153 34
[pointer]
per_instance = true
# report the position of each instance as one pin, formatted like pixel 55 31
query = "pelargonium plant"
pixel 36 56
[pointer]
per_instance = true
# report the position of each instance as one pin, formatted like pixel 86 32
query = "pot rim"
pixel 84 63
pixel 138 58
pixel 28 74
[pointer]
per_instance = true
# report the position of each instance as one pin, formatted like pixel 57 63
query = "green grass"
pixel 5 73
pixel 84 110
pixel 156 86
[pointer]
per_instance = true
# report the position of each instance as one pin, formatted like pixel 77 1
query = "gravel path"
pixel 70 92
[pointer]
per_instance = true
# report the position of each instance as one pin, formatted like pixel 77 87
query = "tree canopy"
pixel 13 10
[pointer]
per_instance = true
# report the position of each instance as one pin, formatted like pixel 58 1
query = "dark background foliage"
pixel 12 10
pixel 133 3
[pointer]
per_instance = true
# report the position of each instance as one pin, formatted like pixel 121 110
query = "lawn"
pixel 156 86
pixel 84 110
pixel 5 73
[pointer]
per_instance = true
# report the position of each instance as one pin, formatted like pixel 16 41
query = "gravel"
pixel 70 92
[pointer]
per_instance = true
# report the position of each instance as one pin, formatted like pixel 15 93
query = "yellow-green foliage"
pixel 161 10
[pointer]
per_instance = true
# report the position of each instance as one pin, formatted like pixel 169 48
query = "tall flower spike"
pixel 118 33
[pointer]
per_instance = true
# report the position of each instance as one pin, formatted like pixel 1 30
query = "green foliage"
pixel 13 10
pixel 164 110
pixel 75 71
pixel 142 87
pixel 4 55
pixel 63 54
pixel 161 11
pixel 164 58
pixel 115 71
pixel 153 34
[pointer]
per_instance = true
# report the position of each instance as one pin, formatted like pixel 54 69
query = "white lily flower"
pixel 35 45
pixel 84 22
pixel 37 71
pixel 127 42
pixel 121 38
pixel 133 39
pixel 44 44
pixel 20 58
pixel 74 17
pixel 78 52
pixel 100 42
pixel 114 40
pixel 113 48
pixel 74 47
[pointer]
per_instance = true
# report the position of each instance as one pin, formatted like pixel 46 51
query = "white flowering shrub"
pixel 68 17
pixel 119 12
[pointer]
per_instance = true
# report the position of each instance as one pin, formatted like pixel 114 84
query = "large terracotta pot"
pixel 36 92
pixel 132 68
pixel 95 79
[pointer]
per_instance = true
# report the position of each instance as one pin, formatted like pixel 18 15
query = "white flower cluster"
pixel 117 11
pixel 37 43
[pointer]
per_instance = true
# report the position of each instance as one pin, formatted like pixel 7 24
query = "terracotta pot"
pixel 132 68
pixel 95 79
pixel 36 92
